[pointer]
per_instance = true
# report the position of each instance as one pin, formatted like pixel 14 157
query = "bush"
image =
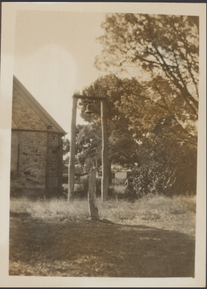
pixel 168 169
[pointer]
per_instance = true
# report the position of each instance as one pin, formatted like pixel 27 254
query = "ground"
pixel 88 248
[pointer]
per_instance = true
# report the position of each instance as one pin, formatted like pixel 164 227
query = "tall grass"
pixel 50 209
pixel 177 213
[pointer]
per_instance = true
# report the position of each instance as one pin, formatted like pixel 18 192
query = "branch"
pixel 96 136
pixel 142 96
pixel 177 139
pixel 184 85
pixel 183 90
pixel 191 74
pixel 170 112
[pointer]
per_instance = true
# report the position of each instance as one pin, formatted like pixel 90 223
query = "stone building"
pixel 36 147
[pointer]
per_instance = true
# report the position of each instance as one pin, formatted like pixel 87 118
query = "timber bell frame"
pixel 71 172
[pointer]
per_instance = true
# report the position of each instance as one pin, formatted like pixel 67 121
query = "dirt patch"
pixel 97 249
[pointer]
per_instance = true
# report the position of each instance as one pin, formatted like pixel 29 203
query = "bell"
pixel 88 111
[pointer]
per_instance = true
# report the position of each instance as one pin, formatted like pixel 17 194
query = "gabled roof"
pixel 36 107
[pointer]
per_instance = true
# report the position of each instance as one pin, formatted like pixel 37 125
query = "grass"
pixel 151 237
pixel 176 214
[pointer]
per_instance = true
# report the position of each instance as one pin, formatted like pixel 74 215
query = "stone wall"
pixel 52 161
pixel 36 163
pixel 28 161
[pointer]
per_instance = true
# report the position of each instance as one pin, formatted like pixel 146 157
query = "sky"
pixel 54 56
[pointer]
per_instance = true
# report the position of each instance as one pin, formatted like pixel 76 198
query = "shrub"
pixel 165 168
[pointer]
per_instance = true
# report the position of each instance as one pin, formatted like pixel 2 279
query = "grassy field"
pixel 151 237
pixel 176 213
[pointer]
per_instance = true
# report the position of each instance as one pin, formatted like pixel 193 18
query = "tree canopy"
pixel 161 54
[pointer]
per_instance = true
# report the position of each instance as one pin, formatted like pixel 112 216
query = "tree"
pixel 121 144
pixel 161 52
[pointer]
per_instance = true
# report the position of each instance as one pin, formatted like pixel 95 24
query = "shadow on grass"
pixel 96 249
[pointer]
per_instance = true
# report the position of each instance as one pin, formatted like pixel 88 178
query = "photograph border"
pixel 9 11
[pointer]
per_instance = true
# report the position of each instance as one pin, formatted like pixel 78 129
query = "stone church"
pixel 36 147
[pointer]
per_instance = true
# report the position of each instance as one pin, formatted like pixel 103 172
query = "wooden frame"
pixel 105 173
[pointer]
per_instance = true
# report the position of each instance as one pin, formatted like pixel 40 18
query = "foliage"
pixel 78 150
pixel 89 142
pixel 160 98
pixel 166 155
pixel 121 144
pixel 165 167
pixel 161 53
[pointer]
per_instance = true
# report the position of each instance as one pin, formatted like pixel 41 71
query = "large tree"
pixel 160 52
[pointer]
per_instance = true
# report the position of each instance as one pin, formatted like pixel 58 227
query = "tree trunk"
pixel 93 210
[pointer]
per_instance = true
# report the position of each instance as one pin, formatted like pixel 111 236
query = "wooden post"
pixel 92 206
pixel 105 176
pixel 71 171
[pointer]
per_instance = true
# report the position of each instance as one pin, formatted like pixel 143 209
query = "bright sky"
pixel 54 57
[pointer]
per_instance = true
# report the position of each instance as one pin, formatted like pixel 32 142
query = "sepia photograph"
pixel 101 119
